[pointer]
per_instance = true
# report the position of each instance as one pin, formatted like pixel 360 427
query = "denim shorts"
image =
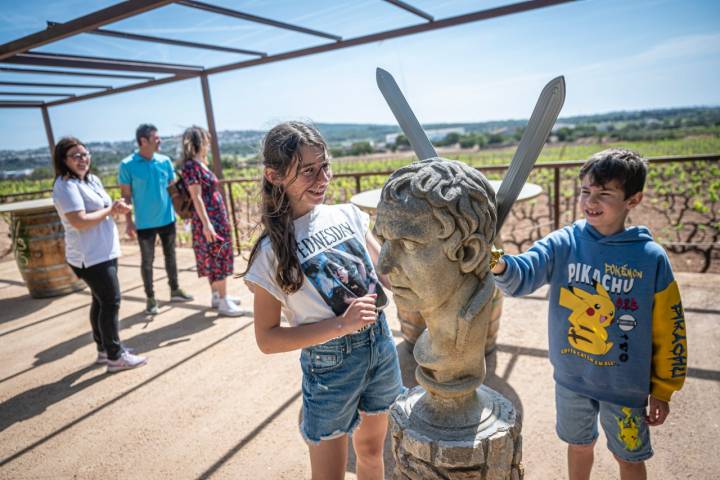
pixel 628 436
pixel 356 373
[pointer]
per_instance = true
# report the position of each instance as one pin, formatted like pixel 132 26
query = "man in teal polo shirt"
pixel 143 179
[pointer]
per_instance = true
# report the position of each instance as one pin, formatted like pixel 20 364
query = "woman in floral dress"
pixel 210 227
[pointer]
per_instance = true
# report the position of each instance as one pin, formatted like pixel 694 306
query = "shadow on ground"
pixel 35 401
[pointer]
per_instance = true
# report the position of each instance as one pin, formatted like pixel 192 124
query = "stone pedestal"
pixel 438 439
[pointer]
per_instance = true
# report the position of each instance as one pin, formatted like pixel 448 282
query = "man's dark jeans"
pixel 146 238
pixel 105 288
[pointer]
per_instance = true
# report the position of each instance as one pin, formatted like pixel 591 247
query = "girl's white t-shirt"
pixel 334 259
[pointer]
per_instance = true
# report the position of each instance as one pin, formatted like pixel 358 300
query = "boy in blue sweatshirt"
pixel 616 325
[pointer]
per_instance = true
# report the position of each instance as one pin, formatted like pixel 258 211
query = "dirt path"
pixel 209 404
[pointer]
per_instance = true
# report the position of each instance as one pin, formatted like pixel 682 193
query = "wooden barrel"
pixel 39 245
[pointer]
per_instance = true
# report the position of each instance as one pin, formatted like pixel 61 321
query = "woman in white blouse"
pixel 92 246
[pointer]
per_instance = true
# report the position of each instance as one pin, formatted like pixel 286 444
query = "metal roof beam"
pixel 126 88
pixel 54 85
pixel 37 94
pixel 439 24
pixel 80 61
pixel 20 104
pixel 169 41
pixel 400 32
pixel 91 21
pixel 254 18
pixel 411 9
pixel 38 71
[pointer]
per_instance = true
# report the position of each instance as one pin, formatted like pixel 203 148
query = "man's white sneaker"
pixel 229 308
pixel 215 302
pixel 125 362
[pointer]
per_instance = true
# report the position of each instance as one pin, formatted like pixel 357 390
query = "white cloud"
pixel 674 49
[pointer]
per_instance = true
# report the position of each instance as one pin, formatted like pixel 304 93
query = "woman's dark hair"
pixel 193 141
pixel 62 147
pixel 281 149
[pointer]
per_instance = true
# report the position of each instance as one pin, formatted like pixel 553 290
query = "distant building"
pixel 559 125
pixel 16 174
pixel 434 134
pixel 391 137
pixel 440 133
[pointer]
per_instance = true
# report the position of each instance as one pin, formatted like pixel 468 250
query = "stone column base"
pixel 492 450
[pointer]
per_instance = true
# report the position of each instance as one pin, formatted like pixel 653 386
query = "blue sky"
pixel 615 55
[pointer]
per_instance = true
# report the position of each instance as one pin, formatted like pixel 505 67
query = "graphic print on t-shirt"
pixel 342 273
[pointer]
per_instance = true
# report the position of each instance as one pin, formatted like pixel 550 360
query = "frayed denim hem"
pixel 578 443
pixel 333 435
pixel 375 412
pixel 634 460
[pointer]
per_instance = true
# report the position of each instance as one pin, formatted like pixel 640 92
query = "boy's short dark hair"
pixel 625 166
pixel 144 131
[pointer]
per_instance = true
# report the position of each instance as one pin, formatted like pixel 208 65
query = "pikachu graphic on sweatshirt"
pixel 591 314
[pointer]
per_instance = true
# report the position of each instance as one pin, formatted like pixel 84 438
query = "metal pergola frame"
pixel 18 53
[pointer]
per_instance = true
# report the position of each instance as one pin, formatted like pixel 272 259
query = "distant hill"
pixel 245 143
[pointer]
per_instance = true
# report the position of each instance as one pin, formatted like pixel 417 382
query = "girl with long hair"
pixel 351 373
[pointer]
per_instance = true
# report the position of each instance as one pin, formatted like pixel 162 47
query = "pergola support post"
pixel 48 132
pixel 214 144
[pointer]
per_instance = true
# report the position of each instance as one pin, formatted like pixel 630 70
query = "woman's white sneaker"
pixel 229 308
pixel 125 362
pixel 215 302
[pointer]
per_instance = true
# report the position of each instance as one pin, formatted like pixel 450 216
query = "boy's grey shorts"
pixel 628 436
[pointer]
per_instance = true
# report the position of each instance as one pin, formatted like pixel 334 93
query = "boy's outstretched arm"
pixel 522 274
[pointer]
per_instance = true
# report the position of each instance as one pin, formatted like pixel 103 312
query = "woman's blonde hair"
pixel 193 141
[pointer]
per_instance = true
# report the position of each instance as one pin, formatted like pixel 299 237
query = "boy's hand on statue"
pixel 499 267
pixel 361 312
pixel 657 411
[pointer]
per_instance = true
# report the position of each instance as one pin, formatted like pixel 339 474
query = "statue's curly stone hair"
pixel 462 201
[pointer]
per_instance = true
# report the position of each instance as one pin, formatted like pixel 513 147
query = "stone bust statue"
pixel 436 222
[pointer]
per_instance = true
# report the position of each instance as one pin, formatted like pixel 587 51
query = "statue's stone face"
pixel 421 275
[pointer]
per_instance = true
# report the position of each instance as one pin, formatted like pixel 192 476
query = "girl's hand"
pixel 209 234
pixel 361 312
